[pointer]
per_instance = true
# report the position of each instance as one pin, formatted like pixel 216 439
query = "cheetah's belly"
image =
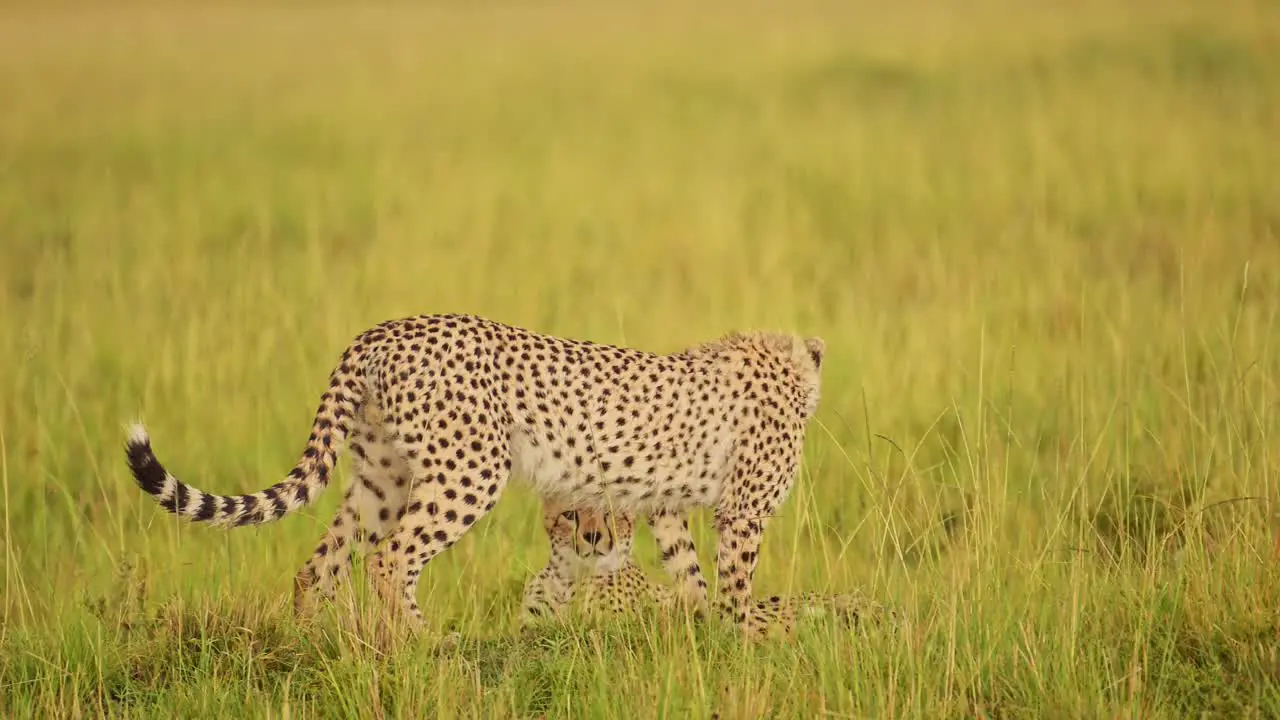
pixel 639 482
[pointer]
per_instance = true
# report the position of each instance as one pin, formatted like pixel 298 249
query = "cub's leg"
pixel 850 609
pixel 550 591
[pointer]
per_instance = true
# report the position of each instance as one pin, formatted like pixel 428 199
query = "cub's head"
pixel 600 540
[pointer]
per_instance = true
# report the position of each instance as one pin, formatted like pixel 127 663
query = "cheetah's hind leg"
pixel 373 503
pixel 446 499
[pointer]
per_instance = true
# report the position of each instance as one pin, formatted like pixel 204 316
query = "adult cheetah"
pixel 450 406
pixel 590 571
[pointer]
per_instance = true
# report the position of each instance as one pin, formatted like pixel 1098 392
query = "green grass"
pixel 1043 246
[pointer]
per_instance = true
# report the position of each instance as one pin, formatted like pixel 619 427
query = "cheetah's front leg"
pixel 679 556
pixel 737 552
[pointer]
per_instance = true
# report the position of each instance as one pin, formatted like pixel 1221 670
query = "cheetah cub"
pixel 590 572
pixel 441 411
pixel 590 558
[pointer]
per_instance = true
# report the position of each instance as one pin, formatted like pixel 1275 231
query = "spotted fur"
pixel 584 543
pixel 439 411
pixel 590 573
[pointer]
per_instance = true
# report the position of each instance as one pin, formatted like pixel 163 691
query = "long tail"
pixel 304 483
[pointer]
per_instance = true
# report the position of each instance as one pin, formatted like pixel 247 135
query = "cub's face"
pixel 600 540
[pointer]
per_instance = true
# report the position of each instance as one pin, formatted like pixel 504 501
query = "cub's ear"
pixel 816 348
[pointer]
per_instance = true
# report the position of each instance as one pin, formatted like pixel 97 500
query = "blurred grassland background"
pixel 1040 239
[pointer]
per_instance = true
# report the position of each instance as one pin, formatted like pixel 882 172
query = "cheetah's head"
pixel 600 540
pixel 801 360
pixel 807 358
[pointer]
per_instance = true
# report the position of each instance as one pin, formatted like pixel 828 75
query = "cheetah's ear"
pixel 816 348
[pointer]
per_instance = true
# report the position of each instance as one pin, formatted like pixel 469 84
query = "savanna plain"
pixel 1041 241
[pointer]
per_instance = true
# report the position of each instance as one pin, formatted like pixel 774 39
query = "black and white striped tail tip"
pixel 147 471
pixel 137 435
